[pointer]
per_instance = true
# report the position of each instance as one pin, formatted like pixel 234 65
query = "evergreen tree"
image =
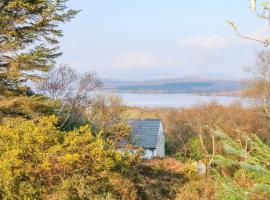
pixel 243 168
pixel 28 42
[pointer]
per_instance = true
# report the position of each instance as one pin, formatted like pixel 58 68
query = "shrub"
pixel 191 150
pixel 38 161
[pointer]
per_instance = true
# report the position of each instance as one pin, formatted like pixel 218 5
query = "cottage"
pixel 149 134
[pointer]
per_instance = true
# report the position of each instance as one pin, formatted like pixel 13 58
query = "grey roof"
pixel 145 132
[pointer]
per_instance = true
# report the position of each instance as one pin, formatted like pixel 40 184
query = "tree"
pixel 243 168
pixel 105 113
pixel 258 88
pixel 28 41
pixel 72 89
pixel 264 14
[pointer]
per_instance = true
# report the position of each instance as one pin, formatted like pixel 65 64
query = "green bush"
pixel 191 150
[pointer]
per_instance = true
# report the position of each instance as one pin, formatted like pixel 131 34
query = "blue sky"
pixel 151 39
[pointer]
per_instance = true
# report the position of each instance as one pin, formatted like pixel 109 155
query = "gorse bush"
pixel 37 161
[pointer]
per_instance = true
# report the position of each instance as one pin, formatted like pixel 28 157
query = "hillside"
pixel 181 85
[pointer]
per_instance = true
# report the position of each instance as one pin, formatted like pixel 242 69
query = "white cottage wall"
pixel 160 148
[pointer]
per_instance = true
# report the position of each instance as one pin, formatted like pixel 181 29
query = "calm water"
pixel 172 100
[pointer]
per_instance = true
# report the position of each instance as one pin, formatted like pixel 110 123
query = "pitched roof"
pixel 145 132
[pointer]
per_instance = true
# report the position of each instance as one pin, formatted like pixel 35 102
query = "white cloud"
pixel 216 42
pixel 209 42
pixel 135 59
pixel 152 60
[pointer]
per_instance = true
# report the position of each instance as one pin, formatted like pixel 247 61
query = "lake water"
pixel 172 100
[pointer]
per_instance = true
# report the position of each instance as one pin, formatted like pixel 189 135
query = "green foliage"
pixel 38 161
pixel 265 5
pixel 192 149
pixel 28 42
pixel 245 172
pixel 27 27
pixel 195 149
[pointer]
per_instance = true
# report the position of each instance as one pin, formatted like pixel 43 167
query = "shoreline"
pixel 221 94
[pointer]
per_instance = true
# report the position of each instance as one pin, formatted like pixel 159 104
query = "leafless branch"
pixel 264 42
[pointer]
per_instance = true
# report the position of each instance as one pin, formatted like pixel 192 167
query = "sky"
pixel 156 39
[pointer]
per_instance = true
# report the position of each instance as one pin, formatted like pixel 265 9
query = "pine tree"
pixel 28 42
pixel 244 172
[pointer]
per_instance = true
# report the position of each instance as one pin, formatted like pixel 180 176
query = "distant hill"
pixel 176 85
